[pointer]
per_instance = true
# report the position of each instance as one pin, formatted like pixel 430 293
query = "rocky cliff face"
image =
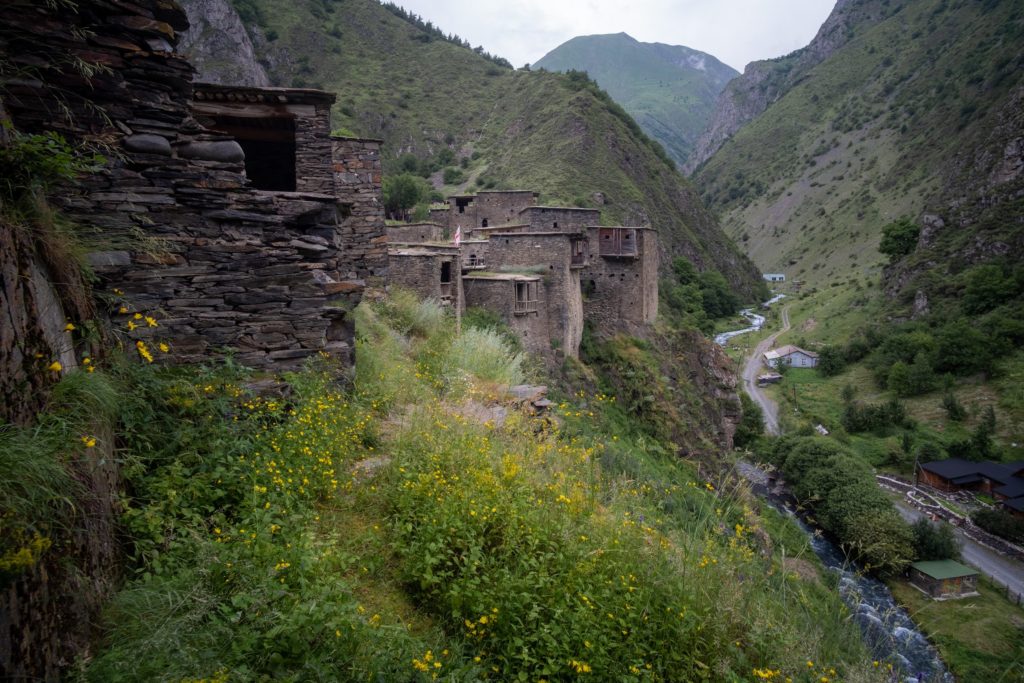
pixel 218 45
pixel 764 82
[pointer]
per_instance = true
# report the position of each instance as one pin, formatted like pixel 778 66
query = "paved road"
pixel 755 367
pixel 1003 570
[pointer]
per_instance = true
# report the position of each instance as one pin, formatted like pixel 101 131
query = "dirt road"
pixel 753 368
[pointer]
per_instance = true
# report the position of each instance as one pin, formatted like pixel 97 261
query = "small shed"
pixel 774 277
pixel 944 579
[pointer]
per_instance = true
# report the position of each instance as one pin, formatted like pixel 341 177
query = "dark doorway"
pixel 269 146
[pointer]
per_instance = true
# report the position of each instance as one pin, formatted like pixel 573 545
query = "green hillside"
pixel 434 102
pixel 669 89
pixel 912 114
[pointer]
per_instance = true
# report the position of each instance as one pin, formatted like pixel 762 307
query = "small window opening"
pixel 461 203
pixel 555 224
pixel 269 146
pixel 446 279
pixel 526 298
pixel 483 223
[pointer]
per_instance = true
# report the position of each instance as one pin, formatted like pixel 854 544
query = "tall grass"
pixel 40 496
pixel 386 536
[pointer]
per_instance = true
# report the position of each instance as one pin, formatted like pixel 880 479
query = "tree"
pixel 955 410
pixel 899 238
pixel 751 426
pixel 899 379
pixel 987 287
pixel 684 271
pixel 401 193
pixel 934 541
pixel 719 301
pixel 831 361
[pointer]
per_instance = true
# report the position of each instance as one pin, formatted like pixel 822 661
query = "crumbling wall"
pixel 269 275
pixel 415 233
pixel 499 295
pixel 549 255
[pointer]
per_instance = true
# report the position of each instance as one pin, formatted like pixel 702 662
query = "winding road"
pixel 1003 570
pixel 754 367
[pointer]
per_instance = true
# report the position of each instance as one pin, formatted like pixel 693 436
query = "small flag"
pixel 458 235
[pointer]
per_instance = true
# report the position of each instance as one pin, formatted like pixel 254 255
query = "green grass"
pixel 474 548
pixel 860 139
pixel 979 638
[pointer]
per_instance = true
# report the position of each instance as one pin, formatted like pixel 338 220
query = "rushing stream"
pixel 887 630
pixel 756 322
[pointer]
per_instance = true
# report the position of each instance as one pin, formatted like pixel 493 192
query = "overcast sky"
pixel 734 31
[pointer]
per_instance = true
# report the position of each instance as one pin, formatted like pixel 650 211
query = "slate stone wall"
pixel 549 254
pixel 548 218
pixel 268 275
pixel 499 296
pixel 621 290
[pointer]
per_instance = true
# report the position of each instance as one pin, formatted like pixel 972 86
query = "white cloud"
pixel 734 31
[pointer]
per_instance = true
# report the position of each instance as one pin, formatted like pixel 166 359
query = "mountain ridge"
pixel 902 119
pixel 668 89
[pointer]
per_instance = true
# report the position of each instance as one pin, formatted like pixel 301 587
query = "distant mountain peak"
pixel 669 89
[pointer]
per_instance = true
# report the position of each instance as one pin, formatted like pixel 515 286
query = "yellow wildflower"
pixel 70 327
pixel 151 321
pixel 89 441
pixel 131 326
pixel 122 310
pixel 164 348
pixel 55 366
pixel 137 316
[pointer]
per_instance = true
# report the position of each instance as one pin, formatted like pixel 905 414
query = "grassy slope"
pixel 298 565
pixel 866 136
pixel 669 98
pixel 987 645
pixel 422 96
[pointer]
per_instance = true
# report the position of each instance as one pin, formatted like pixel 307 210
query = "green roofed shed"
pixel 942 579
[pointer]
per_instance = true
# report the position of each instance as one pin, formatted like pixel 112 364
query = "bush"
pixel 401 193
pixel 899 238
pixel 934 541
pixel 831 361
pixel 751 426
pixel 955 410
pixel 453 176
pixel 1000 523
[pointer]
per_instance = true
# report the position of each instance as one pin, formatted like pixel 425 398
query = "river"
pixel 888 631
pixel 756 322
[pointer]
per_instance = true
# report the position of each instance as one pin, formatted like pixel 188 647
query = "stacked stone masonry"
pixel 544 269
pixel 269 274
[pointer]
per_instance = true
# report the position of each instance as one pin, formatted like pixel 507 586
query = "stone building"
pixel 416 233
pixel 944 579
pixel 433 271
pixel 559 218
pixel 620 282
pixel 246 225
pixel 486 208
pixel 556 259
pixel 543 268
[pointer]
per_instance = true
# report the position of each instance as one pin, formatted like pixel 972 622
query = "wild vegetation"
pixel 913 111
pixel 399 530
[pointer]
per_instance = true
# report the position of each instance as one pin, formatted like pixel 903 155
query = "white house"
pixel 790 355
pixel 774 277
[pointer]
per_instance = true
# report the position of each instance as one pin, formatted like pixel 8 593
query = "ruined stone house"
pixel 545 271
pixel 230 213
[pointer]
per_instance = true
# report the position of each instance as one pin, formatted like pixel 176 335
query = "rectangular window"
pixel 446 279
pixel 269 146
pixel 526 297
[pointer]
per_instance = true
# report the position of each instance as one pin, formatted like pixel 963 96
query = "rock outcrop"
pixel 764 82
pixel 218 45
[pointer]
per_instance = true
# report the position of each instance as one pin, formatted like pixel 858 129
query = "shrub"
pixel 899 238
pixel 751 426
pixel 453 176
pixel 934 541
pixel 831 361
pixel 1000 523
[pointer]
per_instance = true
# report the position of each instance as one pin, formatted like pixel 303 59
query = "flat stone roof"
pixel 213 92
